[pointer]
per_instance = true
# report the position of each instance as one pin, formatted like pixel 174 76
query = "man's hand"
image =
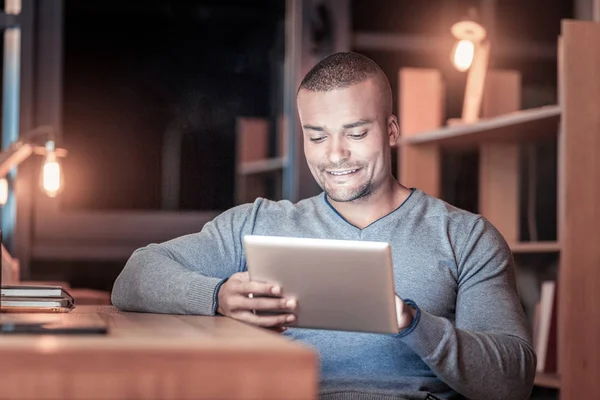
pixel 404 313
pixel 239 297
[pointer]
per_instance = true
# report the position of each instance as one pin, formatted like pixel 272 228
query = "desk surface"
pixel 149 356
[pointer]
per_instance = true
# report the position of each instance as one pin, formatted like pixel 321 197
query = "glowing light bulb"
pixel 463 55
pixel 51 172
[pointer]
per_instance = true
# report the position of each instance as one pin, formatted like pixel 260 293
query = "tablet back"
pixel 339 284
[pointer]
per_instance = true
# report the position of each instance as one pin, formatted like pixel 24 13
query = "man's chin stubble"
pixel 360 195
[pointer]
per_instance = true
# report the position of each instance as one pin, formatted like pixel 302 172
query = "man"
pixel 463 333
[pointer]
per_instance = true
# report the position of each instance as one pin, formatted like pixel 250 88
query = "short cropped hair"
pixel 341 70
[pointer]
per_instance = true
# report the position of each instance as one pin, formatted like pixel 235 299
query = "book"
pixel 31 291
pixel 35 302
pixel 41 299
pixel 546 329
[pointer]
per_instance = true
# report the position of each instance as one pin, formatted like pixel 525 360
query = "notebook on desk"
pixel 43 309
pixel 35 298
pixel 32 291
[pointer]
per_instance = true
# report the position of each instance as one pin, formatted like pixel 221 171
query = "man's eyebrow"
pixel 358 123
pixel 313 128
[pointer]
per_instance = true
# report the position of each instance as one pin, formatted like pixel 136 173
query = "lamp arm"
pixel 476 83
pixel 13 157
pixel 41 150
pixel 24 147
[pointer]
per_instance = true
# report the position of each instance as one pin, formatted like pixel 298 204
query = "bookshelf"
pixel 575 123
pixel 516 127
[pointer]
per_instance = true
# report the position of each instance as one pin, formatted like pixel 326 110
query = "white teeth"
pixel 342 173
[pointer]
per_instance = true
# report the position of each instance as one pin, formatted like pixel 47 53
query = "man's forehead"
pixel 353 95
pixel 367 84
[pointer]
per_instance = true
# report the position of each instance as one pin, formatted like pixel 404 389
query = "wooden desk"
pixel 153 356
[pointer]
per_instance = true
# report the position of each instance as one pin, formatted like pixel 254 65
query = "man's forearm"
pixel 153 282
pixel 477 365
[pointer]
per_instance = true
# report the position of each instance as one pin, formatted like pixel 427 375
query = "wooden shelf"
pixel 261 166
pixel 518 126
pixel 573 126
pixel 535 247
pixel 547 380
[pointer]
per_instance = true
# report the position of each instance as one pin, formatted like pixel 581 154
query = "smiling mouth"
pixel 342 173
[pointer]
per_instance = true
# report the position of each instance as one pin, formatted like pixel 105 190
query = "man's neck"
pixel 363 212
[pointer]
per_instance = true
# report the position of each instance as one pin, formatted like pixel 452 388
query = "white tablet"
pixel 339 284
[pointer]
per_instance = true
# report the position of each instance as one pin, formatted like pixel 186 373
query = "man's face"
pixel 347 138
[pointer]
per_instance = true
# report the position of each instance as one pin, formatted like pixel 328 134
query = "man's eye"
pixel 317 139
pixel 358 135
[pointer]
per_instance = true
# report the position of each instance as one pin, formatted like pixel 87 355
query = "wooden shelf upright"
pixel 575 123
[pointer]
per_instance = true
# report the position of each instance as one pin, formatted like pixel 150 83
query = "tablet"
pixel 339 284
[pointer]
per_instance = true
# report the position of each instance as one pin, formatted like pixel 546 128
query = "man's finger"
pixel 259 288
pixel 266 321
pixel 264 303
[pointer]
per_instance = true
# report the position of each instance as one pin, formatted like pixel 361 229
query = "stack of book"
pixel 35 298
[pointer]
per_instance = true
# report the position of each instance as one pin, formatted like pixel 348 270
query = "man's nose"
pixel 338 150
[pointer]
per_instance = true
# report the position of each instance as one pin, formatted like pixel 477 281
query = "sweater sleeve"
pixel 487 352
pixel 183 275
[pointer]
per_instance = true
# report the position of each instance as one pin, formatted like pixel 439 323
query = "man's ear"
pixel 393 129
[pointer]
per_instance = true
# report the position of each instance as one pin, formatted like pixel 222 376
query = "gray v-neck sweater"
pixel 470 335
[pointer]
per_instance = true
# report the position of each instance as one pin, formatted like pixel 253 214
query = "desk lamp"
pixel 51 177
pixel 471 52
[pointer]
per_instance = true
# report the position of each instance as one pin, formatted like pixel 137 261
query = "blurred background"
pixel 152 100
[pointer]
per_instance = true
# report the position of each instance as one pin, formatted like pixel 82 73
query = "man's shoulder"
pixel 462 224
pixel 286 207
pixel 434 207
pixel 273 210
pixel 262 205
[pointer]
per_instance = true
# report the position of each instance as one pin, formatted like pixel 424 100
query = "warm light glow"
pixel 3 191
pixel 52 176
pixel 463 55
pixel 51 173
